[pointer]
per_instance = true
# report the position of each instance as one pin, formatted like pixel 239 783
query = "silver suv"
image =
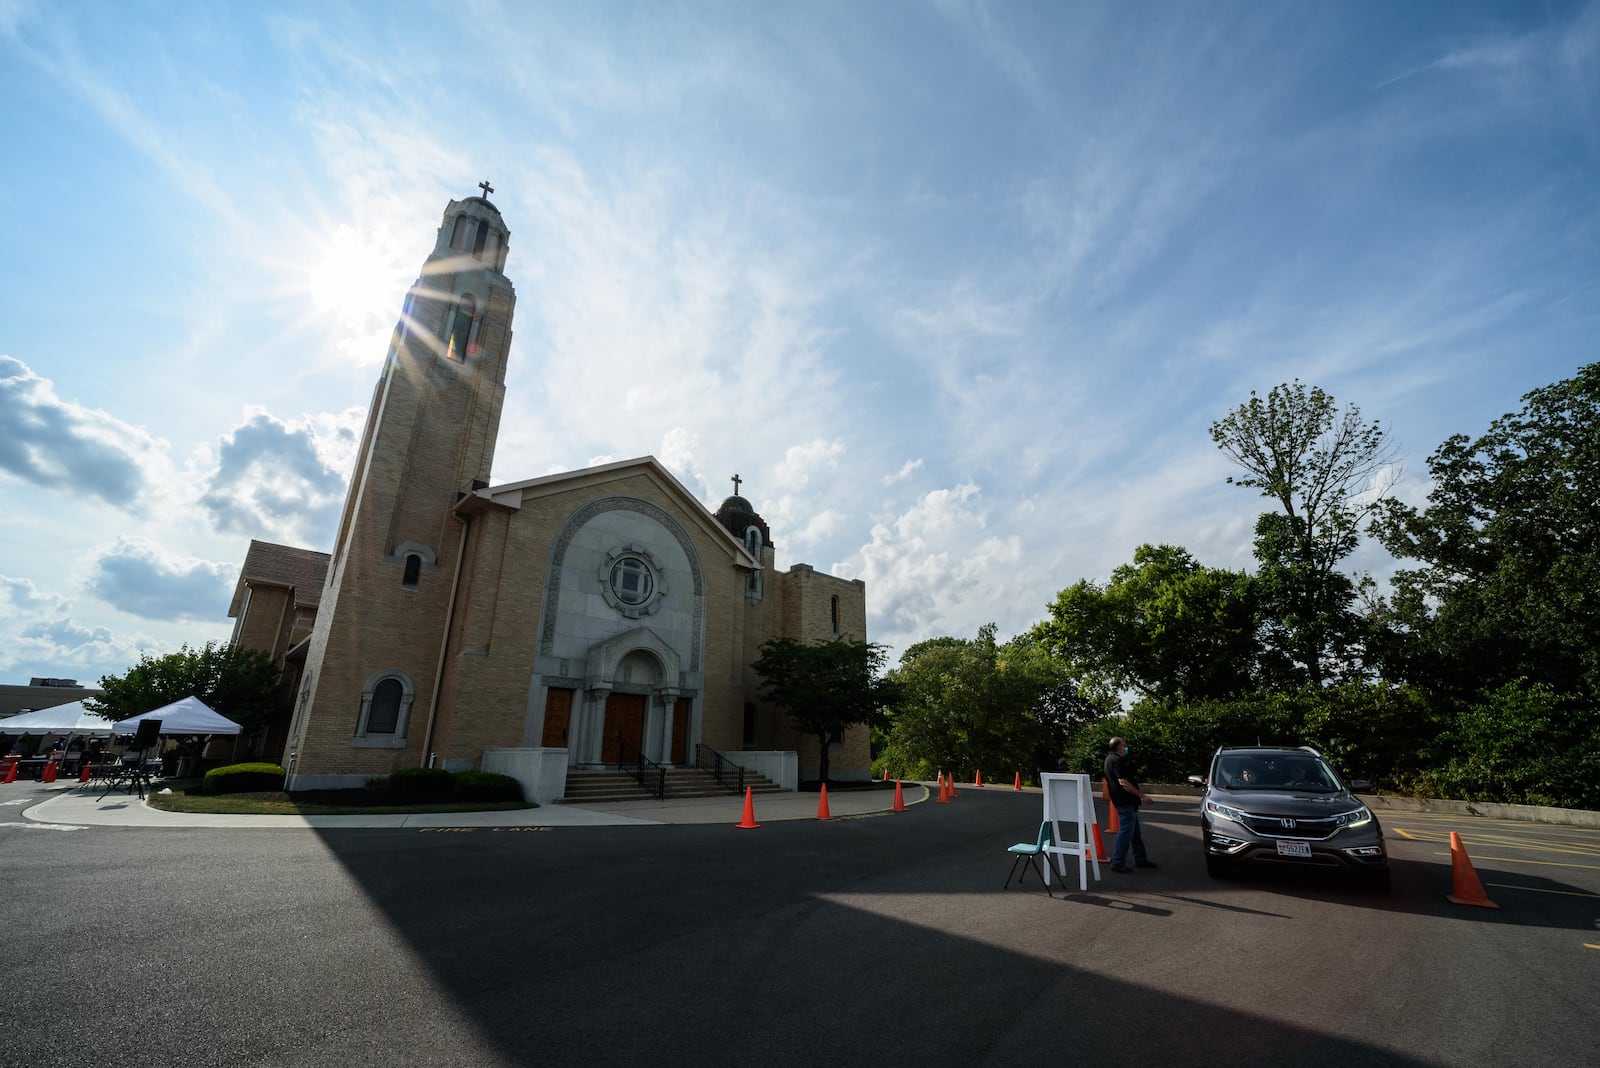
pixel 1272 806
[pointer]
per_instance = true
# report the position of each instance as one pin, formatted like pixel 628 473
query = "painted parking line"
pixel 1407 835
pixel 1531 844
pixel 1591 945
pixel 1543 890
pixel 1525 860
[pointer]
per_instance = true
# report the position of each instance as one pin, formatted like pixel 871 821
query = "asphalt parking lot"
pixel 879 936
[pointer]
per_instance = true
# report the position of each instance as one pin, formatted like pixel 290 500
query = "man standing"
pixel 1125 798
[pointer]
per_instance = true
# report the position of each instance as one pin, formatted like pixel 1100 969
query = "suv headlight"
pixel 1356 817
pixel 1225 812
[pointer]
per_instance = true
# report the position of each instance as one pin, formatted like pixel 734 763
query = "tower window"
pixel 461 234
pixel 835 615
pixel 459 341
pixel 478 241
pixel 413 571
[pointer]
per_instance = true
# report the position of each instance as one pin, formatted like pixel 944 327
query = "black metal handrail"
pixel 720 767
pixel 643 769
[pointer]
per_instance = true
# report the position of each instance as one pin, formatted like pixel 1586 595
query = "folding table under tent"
pixel 70 718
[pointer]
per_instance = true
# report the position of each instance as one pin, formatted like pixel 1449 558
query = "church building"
pixel 570 621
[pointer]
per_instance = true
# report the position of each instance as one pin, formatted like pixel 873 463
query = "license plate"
pixel 1294 849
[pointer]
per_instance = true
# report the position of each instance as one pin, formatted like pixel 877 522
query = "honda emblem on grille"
pixel 1287 823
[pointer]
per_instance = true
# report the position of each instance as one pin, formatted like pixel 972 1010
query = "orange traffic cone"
pixel 749 822
pixel 83 772
pixel 822 804
pixel 1468 890
pixel 944 791
pixel 11 771
pixel 1113 825
pixel 899 798
pixel 950 785
pixel 1099 844
pixel 1018 784
pixel 49 772
pixel 977 778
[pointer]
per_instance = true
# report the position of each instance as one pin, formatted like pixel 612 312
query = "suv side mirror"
pixel 1360 786
pixel 1197 780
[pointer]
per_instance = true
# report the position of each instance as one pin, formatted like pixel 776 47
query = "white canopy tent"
pixel 70 718
pixel 187 716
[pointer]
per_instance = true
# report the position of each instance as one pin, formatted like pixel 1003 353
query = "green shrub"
pixel 485 786
pixel 430 781
pixel 243 778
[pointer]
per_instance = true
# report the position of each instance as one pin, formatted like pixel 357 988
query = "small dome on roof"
pixel 737 517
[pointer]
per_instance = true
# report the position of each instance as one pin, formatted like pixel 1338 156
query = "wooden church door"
pixel 557 715
pixel 624 725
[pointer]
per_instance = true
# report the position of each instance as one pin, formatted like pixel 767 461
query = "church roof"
pixel 268 564
pixel 512 494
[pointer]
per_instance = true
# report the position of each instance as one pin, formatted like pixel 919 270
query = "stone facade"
pixel 601 613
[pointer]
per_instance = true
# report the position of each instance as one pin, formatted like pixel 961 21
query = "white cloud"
pixel 26 599
pixel 144 580
pixel 71 449
pixel 283 480
pixel 935 569
pixel 907 469
pixel 801 462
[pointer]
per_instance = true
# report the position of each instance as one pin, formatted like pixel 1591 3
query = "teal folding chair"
pixel 1029 853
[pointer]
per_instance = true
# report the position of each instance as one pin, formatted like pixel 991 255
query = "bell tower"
pixel 372 661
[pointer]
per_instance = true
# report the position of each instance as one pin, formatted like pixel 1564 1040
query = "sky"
pixel 956 288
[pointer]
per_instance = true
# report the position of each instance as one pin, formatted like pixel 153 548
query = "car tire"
pixel 1216 867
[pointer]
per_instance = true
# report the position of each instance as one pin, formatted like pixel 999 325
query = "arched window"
pixel 384 715
pixel 413 571
pixel 835 615
pixel 479 240
pixel 459 342
pixel 461 235
pixel 385 711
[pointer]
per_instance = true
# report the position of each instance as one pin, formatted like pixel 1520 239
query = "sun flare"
pixel 357 279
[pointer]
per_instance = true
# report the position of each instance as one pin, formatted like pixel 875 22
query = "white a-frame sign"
pixel 1069 808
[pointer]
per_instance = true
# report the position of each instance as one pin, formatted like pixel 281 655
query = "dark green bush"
pixel 486 786
pixel 431 781
pixel 243 778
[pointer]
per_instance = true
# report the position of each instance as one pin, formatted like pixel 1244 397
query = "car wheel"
pixel 1216 867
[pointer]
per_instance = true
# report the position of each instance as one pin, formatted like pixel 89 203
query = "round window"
pixel 631 581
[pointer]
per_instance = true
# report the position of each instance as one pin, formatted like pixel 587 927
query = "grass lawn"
pixel 278 803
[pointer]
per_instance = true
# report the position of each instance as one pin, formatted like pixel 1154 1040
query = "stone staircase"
pixel 590 787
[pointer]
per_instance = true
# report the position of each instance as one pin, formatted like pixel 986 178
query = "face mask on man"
pixel 1127 749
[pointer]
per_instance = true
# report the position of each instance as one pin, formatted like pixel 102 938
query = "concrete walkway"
pixel 71 806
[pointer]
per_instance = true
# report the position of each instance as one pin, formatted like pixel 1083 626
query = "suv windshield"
pixel 1264 771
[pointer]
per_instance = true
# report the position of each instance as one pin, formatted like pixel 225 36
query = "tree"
pixel 239 683
pixel 825 688
pixel 1165 626
pixel 966 705
pixel 1510 547
pixel 1328 471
